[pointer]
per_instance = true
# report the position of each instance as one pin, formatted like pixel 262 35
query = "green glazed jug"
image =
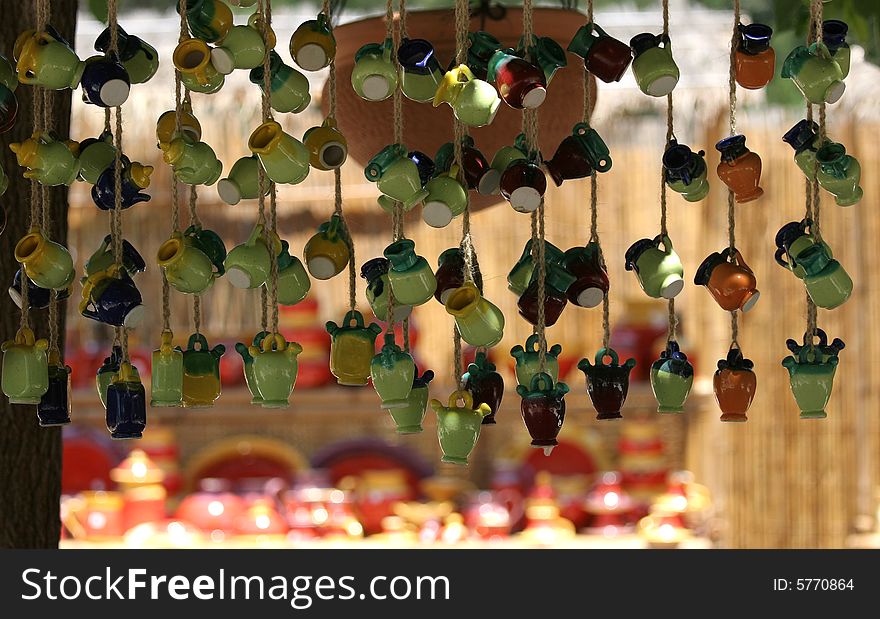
pixel 351 349
pixel 44 59
pixel 193 162
pixel 458 426
pixel 293 281
pixel 408 419
pixel 242 182
pixel 201 372
pixel 374 76
pixel 659 271
pixel 672 376
pixel 285 159
pixel 392 371
pixel 275 369
pixel 375 272
pixel 48 264
pixel 527 361
pixel 397 177
pixel 104 375
pixel 209 20
pixel 839 173
pixel 95 156
pixel 241 48
pixel 446 199
pixel 25 376
pixel 187 267
pixel 479 322
pixel 520 276
pixel 48 161
pixel 653 66
pixel 166 386
pixel 411 278
pixel 248 366
pixel 328 251
pixel 811 379
pixel 192 59
pixel 290 88
pixel 248 265
pixel 815 73
pixel 474 101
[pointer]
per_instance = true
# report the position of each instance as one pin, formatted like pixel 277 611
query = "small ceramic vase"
pixel 685 171
pixel 655 71
pixel 839 173
pixel 591 278
pixel 192 260
pixel 95 156
pixel 192 59
pixel 48 264
pixel 248 365
pixel 54 407
pixel 374 76
pixel 351 349
pixel 659 271
pixel 528 362
pixel 604 56
pixel 523 184
pixel 485 385
pixel 397 177
pixel 134 178
pixel 755 60
pixel 556 284
pixel 739 168
pixel 734 385
pixel 275 370
pixel 479 322
pixel 578 155
pixel 48 161
pixel 446 199
pixel 111 297
pixel 248 265
pixel 543 410
pixel 450 273
pixel 811 377
pixel 672 376
pixel 25 373
pixel 312 45
pixel 375 272
pixel 201 372
pixel 490 183
pixel 834 37
pixel 289 87
pixel 327 253
pixel 166 385
pixel 103 258
pixel 392 371
pixel 293 281
pixel 607 383
pixel 126 404
pixel 729 280
pixel 285 159
pixel 140 59
pixel 408 419
pixel 209 20
pixel 473 101
pixel 243 182
pixel 327 147
pixel 521 84
pixel 458 426
pixel 411 278
pixel 194 162
pixel 421 72
pixel 815 73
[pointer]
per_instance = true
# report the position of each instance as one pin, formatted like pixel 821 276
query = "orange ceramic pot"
pixel 740 168
pixel 729 280
pixel 734 385
pixel 755 60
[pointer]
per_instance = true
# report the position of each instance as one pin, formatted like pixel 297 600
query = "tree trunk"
pixel 30 456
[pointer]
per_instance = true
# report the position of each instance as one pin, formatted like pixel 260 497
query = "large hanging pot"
pixel 368 124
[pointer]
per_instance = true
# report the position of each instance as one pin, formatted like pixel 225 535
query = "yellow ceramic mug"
pixel 327 253
pixel 192 57
pixel 327 146
pixel 46 263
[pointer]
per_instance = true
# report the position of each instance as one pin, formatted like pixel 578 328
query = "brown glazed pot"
pixel 428 128
pixel 485 385
pixel 543 410
pixel 739 169
pixel 734 385
pixel 730 281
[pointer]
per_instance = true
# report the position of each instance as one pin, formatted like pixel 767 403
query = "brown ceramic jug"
pixel 734 385
pixel 729 280
pixel 740 168
pixel 755 60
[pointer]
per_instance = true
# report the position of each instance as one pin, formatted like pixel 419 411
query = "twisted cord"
pixel 812 195
pixel 264 183
pixel 731 202
pixel 671 319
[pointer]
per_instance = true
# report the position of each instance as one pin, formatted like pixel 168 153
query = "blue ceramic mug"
pixel 105 81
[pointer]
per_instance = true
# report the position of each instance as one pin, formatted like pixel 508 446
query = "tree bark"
pixel 30 456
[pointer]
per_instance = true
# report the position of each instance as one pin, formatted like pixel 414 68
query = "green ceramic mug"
pixel 374 76
pixel 166 384
pixel 192 58
pixel 815 73
pixel 48 264
pixel 242 182
pixel 49 161
pixel 187 268
pixel 830 287
pixel 479 322
pixel 474 101
pixel 285 159
pixel 659 271
pixel 290 88
pixel 248 265
pixel 194 162
pixel 397 177
pixel 839 173
pixel 242 48
pixel 446 199
pixel 293 281
pixel 653 66
pixel 95 156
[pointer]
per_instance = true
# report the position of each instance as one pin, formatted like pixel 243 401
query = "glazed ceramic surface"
pixel 458 426
pixel 607 383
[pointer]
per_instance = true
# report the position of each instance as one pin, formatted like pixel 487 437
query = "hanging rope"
pixel 671 319
pixel 337 175
pixel 262 179
pixel 731 203
pixel 812 196
pixel 589 96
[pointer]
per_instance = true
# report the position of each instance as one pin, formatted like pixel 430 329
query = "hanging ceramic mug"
pixel 328 251
pixel 591 283
pixel 473 163
pixel 95 156
pixel 375 272
pixel 685 171
pixel 192 260
pixel 473 101
pixel 397 177
pixel 312 45
pixel 659 270
pixel 546 53
pixel 653 66
pixel 556 284
pixel 111 297
pixel 523 184
pixel 243 47
pixel 729 280
pixel 25 372
pixel 411 279
pixel 105 81
pixel 604 56
pixel 46 59
pixel 285 159
pixel 327 146
pixel 755 60
pixel 48 264
pixel 839 173
pixel 805 140
pixel 243 182
pixel 408 419
pixel 293 281
pixel 374 76
pixel 421 73
pixel 289 87
pixel 38 298
pixel 49 161
pixel 578 155
pixel 450 273
pixel 192 58
pixel 209 20
pixel 166 126
pixel 521 84
pixel 739 168
pixel 479 322
pixel 458 426
pixel 103 258
pixel 446 199
pixel 481 45
pixel 815 73
pixel 140 59
pixel 248 265
pixel 194 162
